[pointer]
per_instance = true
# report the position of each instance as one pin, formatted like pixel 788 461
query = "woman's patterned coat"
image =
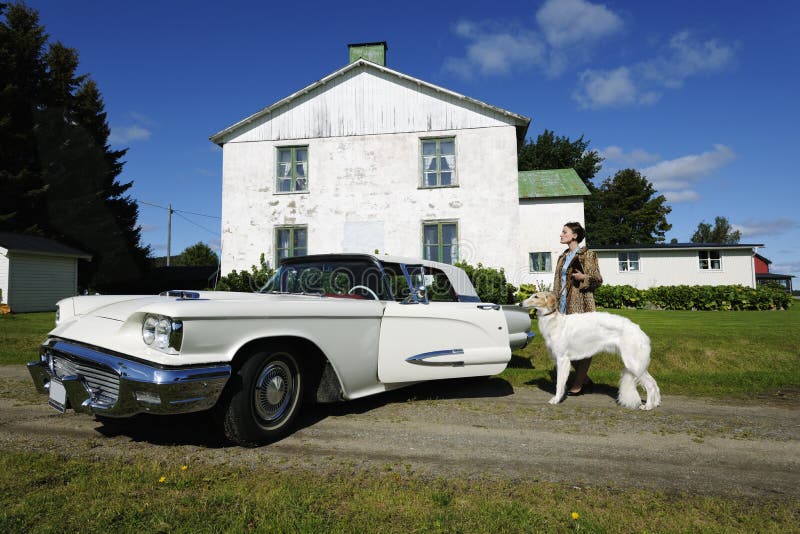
pixel 580 295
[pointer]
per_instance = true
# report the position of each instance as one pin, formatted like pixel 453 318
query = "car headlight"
pixel 58 314
pixel 162 333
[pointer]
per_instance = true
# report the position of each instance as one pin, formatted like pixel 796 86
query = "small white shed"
pixel 35 272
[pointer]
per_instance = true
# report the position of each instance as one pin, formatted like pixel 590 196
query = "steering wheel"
pixel 365 288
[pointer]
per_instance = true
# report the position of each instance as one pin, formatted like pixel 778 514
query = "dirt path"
pixel 474 428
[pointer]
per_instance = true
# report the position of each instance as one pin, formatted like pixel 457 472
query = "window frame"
pixel 439 245
pixel 293 177
pixel 709 260
pixel 628 261
pixel 548 263
pixel 438 140
pixel 291 228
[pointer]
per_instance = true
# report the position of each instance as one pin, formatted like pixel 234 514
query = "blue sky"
pixel 699 96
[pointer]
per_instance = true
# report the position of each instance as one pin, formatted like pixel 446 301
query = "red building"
pixel 763 275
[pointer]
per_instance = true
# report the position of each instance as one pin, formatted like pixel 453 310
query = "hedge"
pixel 735 297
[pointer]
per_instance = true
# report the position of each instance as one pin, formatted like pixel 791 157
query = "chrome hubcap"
pixel 274 390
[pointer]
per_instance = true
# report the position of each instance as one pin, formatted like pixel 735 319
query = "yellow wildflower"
pixel 184 467
pixel 575 515
pixel 162 480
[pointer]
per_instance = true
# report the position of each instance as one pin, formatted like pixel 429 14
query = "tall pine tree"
pixel 62 179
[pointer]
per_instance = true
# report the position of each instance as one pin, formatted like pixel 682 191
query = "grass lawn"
pixel 50 493
pixel 727 354
pixel 21 334
pixel 739 354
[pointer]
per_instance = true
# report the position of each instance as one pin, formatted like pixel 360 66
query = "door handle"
pixel 488 306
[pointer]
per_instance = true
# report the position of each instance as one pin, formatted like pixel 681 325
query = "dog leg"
pixel 562 372
pixel 653 393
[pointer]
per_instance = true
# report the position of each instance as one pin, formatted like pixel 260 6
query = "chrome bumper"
pixel 105 384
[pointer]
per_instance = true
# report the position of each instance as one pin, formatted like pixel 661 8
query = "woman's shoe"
pixel 587 387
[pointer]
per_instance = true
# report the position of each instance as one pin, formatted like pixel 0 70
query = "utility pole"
pixel 169 231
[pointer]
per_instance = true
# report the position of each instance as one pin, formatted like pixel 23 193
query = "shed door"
pixel 36 283
pixel 441 340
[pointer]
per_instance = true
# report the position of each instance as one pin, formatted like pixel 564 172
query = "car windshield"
pixel 330 278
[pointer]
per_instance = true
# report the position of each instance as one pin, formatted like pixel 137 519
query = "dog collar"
pixel 551 313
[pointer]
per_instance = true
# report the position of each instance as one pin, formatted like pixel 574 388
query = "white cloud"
pixel 686 56
pixel 634 158
pixel 642 83
pixel 772 227
pixel 565 29
pixel 569 22
pixel 687 195
pixel 679 171
pixel 126 134
pixel 611 88
pixel 149 227
pixel 495 52
pixel 786 267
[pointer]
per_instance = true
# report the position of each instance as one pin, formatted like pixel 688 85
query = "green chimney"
pixel 374 52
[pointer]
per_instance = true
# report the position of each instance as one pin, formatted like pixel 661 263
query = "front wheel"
pixel 263 398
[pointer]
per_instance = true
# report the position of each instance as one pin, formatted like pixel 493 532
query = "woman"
pixel 576 277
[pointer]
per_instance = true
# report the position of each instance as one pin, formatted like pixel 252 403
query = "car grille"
pixel 103 383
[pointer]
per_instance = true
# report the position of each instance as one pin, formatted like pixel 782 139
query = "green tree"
pixel 721 232
pixel 58 175
pixel 550 151
pixel 197 254
pixel 627 210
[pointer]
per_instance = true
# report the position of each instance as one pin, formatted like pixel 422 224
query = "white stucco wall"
pixel 677 267
pixel 541 221
pixel 364 194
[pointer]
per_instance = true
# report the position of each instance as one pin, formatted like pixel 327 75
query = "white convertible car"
pixel 325 328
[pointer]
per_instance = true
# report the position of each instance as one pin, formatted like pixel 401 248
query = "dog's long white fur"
pixel 582 335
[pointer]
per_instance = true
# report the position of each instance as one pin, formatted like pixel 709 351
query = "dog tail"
pixel 628 395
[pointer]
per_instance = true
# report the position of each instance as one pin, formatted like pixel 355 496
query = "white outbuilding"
pixel 35 272
pixel 371 159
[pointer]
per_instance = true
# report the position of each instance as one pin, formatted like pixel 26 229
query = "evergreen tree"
pixel 721 232
pixel 628 212
pixel 556 152
pixel 60 181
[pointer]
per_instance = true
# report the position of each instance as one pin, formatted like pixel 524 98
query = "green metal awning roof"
pixel 551 183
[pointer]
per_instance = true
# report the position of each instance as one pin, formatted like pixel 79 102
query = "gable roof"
pixel 32 244
pixel 677 246
pixel 521 122
pixel 551 183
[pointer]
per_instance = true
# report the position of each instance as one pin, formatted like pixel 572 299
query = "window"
pixel 292 169
pixel 541 262
pixel 438 162
pixel 628 261
pixel 440 242
pixel 710 259
pixel 290 241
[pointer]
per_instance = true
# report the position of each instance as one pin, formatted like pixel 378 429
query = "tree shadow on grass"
pixel 199 429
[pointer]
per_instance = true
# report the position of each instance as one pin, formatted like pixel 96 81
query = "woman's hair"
pixel 577 229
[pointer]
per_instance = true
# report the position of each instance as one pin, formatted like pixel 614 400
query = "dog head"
pixel 545 301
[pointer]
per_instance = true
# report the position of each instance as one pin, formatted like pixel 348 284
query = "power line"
pixel 175 210
pixel 194 223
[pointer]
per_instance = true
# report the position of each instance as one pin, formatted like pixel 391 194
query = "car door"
pixel 441 340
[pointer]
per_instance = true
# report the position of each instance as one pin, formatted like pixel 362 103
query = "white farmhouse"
pixel 369 158
pixel 646 266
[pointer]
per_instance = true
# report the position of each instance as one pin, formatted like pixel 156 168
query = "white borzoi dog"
pixel 582 335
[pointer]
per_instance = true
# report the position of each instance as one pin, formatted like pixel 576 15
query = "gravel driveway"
pixel 472 427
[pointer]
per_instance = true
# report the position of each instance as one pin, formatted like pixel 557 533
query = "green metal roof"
pixel 551 183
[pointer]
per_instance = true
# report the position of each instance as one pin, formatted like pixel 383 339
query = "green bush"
pixel 734 297
pixel 247 281
pixel 490 284
pixel 526 290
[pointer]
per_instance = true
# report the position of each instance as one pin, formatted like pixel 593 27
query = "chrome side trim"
pixel 424 358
